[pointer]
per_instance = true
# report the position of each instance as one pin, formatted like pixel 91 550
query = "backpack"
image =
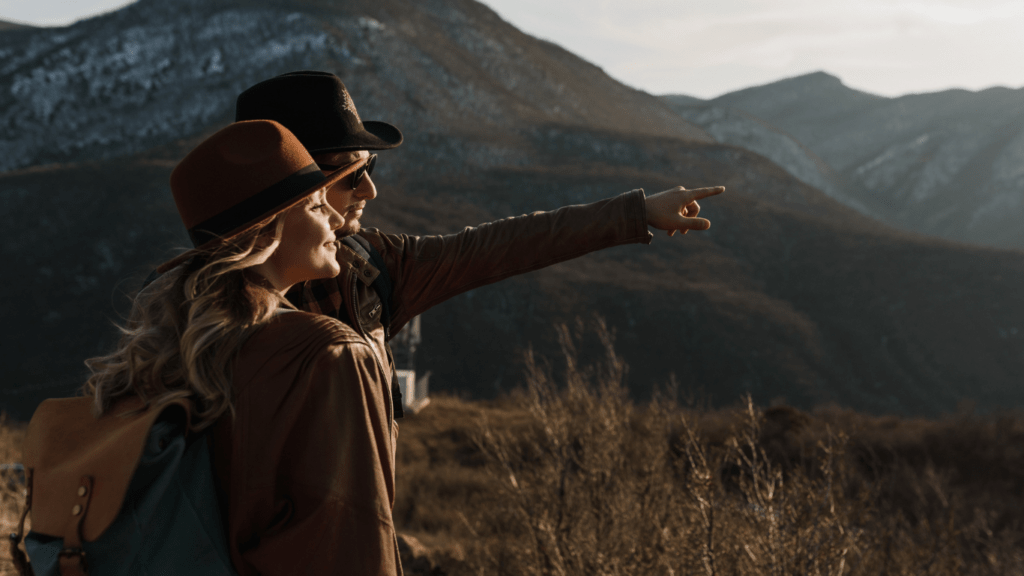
pixel 129 493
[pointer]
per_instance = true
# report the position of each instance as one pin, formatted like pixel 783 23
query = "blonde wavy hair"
pixel 186 327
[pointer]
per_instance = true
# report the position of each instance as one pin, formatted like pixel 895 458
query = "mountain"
pixel 948 163
pixel 791 293
pixel 5 26
pixel 738 128
pixel 156 71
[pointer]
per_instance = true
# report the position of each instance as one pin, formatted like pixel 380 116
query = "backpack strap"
pixel 72 557
pixel 382 284
pixel 383 287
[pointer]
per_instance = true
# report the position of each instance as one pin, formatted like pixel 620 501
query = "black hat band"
pixel 253 208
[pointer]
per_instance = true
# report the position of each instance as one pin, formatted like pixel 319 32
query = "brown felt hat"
pixel 240 177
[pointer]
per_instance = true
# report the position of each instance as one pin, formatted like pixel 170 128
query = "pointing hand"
pixel 676 209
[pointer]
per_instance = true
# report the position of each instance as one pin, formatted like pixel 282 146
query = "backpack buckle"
pixel 72 562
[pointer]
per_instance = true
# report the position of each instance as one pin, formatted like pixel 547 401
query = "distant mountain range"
pixel 950 164
pixel 791 295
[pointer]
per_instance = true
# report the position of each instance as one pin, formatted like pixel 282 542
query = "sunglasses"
pixel 357 176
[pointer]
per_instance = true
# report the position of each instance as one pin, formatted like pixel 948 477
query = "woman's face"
pixel 307 249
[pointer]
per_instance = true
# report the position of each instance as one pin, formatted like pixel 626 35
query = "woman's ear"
pixel 267 240
pixel 265 245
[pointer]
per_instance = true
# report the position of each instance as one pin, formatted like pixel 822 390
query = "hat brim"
pixel 375 136
pixel 325 183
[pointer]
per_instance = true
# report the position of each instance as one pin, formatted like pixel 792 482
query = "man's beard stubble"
pixel 351 227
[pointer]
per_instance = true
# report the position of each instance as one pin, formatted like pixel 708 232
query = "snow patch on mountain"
pixel 113 93
pixel 738 128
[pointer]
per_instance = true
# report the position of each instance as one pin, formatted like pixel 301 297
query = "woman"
pixel 300 439
pixel 186 327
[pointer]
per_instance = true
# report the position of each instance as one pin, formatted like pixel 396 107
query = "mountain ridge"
pixel 6 25
pixel 49 105
pixel 943 163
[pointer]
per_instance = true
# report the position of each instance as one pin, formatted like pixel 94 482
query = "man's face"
pixel 348 202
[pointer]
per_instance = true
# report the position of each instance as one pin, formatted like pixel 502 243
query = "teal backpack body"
pixel 169 522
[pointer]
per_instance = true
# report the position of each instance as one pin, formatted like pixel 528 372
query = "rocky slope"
pixel 738 128
pixel 949 163
pixel 156 71
pixel 790 293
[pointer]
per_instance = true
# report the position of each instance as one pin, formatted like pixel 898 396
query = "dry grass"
pixel 569 477
pixel 12 493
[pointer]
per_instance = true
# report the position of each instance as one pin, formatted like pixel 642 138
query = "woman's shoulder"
pixel 309 322
pixel 290 343
pixel 294 329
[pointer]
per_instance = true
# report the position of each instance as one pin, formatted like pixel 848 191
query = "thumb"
pixel 686 223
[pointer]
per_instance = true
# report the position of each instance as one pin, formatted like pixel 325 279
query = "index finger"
pixel 698 193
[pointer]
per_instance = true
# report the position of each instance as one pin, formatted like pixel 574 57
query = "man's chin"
pixel 350 228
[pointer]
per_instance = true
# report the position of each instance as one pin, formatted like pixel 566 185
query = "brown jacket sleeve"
pixel 312 477
pixel 427 270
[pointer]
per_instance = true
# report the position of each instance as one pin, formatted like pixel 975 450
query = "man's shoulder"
pixel 376 238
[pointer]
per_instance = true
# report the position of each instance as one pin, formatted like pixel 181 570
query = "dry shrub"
pixel 593 484
pixel 12 490
pixel 441 476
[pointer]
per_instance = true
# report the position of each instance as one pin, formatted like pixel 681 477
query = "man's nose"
pixel 366 190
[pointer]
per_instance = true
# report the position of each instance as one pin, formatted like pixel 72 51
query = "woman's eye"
pixel 320 206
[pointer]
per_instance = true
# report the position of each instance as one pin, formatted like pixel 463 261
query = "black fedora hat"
pixel 317 108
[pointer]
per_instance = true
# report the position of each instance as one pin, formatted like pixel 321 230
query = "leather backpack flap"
pixel 65 442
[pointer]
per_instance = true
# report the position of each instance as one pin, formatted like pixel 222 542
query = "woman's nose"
pixel 335 219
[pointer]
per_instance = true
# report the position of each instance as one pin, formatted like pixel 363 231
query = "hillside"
pixel 744 130
pixel 790 294
pixel 947 163
pixel 156 71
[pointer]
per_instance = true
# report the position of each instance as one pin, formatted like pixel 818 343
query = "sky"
pixel 706 48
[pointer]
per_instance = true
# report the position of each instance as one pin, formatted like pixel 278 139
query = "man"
pixel 415 273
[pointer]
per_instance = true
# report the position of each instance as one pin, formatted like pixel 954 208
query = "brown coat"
pixel 308 466
pixel 306 470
